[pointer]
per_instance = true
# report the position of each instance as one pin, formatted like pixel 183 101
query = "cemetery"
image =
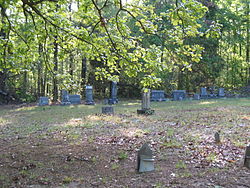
pixel 188 143
pixel 124 94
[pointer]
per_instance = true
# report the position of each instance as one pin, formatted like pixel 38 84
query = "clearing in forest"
pixel 77 146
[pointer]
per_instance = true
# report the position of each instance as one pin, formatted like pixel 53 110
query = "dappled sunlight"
pixel 243 117
pixel 131 104
pixel 132 132
pixel 207 102
pixel 29 108
pixel 3 122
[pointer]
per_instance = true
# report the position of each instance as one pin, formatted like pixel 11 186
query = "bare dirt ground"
pixel 76 146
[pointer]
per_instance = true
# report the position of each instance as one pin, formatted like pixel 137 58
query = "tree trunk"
pixel 83 75
pixel 55 81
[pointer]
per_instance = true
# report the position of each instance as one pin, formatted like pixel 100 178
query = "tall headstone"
pixel 179 95
pixel 145 161
pixel 145 106
pixel 43 101
pixel 204 94
pixel 158 95
pixel 65 97
pixel 221 92
pixel 247 157
pixel 89 95
pixel 113 93
pixel 217 137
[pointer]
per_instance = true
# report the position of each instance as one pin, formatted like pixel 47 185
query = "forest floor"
pixel 77 146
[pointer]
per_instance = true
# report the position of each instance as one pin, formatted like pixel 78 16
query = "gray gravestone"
pixel 197 96
pixel 247 157
pixel 75 99
pixel 179 95
pixel 113 93
pixel 43 101
pixel 217 137
pixel 107 110
pixel 221 92
pixel 204 94
pixel 145 108
pixel 89 95
pixel 65 97
pixel 158 95
pixel 145 161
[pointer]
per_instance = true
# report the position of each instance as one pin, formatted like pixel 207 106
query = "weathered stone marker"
pixel 247 157
pixel 217 137
pixel 89 95
pixel 145 161
pixel 197 96
pixel 221 92
pixel 75 99
pixel 43 101
pixel 65 98
pixel 108 110
pixel 204 94
pixel 179 95
pixel 158 95
pixel 113 93
pixel 145 108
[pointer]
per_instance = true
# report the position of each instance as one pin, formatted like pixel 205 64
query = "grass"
pixel 98 143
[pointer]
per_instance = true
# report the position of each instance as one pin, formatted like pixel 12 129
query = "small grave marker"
pixel 43 101
pixel 221 92
pixel 179 95
pixel 158 95
pixel 145 161
pixel 204 94
pixel 247 157
pixel 197 96
pixel 75 99
pixel 146 104
pixel 217 137
pixel 65 98
pixel 89 95
pixel 108 110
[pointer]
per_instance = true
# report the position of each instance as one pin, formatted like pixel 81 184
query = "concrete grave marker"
pixel 179 95
pixel 247 157
pixel 197 96
pixel 113 93
pixel 89 95
pixel 65 98
pixel 157 95
pixel 75 99
pixel 108 110
pixel 145 161
pixel 217 137
pixel 204 94
pixel 43 101
pixel 221 92
pixel 145 108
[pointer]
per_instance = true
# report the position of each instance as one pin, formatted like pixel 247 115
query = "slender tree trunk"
pixel 39 73
pixel 55 81
pixel 248 39
pixel 83 75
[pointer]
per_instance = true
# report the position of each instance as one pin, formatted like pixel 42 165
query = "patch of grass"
pixel 172 143
pixel 181 165
pixel 67 180
pixel 115 166
pixel 122 155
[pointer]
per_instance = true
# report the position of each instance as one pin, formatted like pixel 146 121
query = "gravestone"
pixel 204 94
pixel 217 137
pixel 108 110
pixel 247 157
pixel 75 99
pixel 158 95
pixel 197 96
pixel 145 161
pixel 145 108
pixel 113 93
pixel 89 95
pixel 212 92
pixel 43 101
pixel 179 95
pixel 221 92
pixel 65 97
